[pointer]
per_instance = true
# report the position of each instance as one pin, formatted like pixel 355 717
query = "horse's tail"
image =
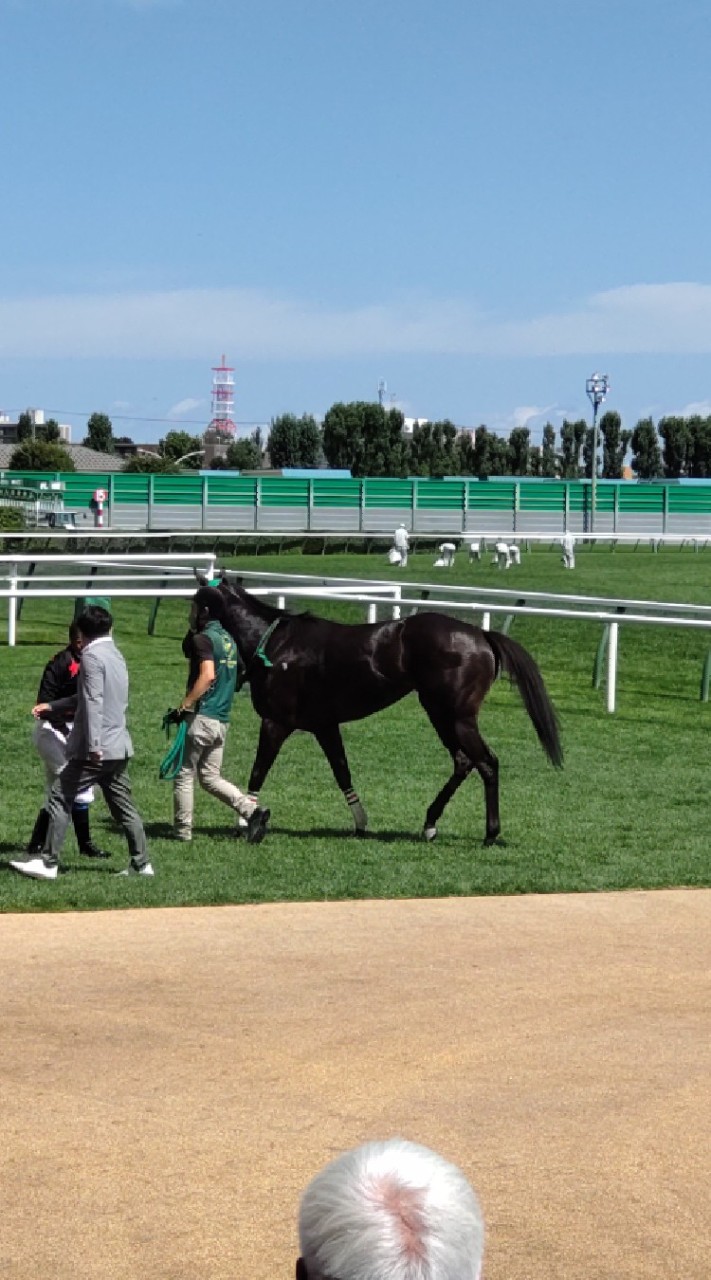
pixel 519 666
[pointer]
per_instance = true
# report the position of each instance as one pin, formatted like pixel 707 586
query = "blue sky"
pixel 481 203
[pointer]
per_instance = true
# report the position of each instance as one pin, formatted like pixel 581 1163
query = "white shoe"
pixel 130 870
pixel 36 869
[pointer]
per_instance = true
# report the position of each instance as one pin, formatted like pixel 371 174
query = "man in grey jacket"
pixel 98 749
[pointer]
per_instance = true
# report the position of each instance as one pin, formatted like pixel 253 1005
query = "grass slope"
pixel 629 809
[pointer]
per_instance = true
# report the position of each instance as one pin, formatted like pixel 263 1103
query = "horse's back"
pixel 441 651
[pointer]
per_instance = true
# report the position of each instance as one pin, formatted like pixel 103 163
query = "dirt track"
pixel 171 1079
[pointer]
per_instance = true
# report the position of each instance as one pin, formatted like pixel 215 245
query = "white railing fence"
pixel 172 577
pixel 139 577
pixel 422 538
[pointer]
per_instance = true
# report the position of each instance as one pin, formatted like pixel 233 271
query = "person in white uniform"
pixel 567 542
pixel 401 543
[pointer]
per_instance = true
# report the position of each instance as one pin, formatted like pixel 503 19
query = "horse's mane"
pixel 269 612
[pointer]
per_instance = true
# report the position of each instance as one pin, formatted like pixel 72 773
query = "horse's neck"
pixel 249 623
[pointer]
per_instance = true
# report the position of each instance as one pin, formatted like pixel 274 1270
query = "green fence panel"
pixel 642 498
pixel 231 491
pixel 80 487
pixel 439 495
pixel 131 488
pixel 483 496
pixel 336 493
pixel 177 490
pixel 498 494
pixel 278 492
pixel 581 496
pixel 543 496
pixel 693 499
pixel 387 493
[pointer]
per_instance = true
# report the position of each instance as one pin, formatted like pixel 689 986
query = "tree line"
pixel 368 439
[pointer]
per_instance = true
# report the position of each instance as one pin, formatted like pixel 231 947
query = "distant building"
pixel 215 443
pixel 408 426
pixel 9 427
pixel 129 448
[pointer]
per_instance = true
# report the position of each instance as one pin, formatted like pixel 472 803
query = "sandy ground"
pixel 171 1079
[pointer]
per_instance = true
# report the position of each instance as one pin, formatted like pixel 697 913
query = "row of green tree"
pixel 369 440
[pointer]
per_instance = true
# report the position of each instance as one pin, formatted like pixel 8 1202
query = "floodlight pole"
pixel 597 388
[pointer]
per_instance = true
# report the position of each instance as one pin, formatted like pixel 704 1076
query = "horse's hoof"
pixel 489 840
pixel 429 833
pixel 359 832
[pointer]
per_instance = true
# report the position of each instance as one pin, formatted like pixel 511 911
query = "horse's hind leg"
pixel 331 743
pixel 462 769
pixel 469 751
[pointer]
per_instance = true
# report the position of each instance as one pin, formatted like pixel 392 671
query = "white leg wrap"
pixel 358 814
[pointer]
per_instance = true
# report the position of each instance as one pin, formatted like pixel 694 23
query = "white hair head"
pixel 391 1211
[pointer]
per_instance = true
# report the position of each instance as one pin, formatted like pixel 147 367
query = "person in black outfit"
pixel 59 680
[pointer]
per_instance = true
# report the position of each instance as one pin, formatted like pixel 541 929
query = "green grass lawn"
pixel 630 808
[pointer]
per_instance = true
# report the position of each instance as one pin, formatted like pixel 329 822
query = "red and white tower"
pixel 223 400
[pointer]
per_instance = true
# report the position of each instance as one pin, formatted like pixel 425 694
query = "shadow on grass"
pixel 368 837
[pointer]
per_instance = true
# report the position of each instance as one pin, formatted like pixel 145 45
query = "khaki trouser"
pixel 204 749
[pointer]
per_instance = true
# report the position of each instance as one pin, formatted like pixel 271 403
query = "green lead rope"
pixel 172 761
pixel 259 651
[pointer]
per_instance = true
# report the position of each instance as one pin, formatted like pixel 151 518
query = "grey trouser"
pixel 204 749
pixel 112 777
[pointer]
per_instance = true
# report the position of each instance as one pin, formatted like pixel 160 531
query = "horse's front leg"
pixel 331 743
pixel 272 737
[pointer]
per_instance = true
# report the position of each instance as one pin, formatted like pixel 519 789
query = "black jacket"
pixel 59 680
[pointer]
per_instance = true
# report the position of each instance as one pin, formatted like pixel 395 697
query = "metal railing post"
pixel 154 611
pixel 612 667
pixel 600 656
pixel 706 678
pixel 12 607
pixel 25 581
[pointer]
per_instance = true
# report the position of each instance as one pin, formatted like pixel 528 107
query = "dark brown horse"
pixel 311 674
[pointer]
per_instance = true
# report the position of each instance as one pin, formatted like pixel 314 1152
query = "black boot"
pixel 36 841
pixel 80 818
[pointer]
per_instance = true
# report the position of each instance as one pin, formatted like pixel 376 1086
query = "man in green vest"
pixel 212 681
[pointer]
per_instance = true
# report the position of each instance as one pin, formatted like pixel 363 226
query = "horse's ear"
pixel 228 581
pixel 202 580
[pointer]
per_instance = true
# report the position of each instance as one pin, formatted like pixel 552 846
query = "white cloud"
pixel 197 323
pixel 697 408
pixel 183 407
pixel 525 415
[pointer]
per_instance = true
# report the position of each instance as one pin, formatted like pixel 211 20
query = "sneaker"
pixel 131 870
pixel 92 850
pixel 257 824
pixel 36 869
